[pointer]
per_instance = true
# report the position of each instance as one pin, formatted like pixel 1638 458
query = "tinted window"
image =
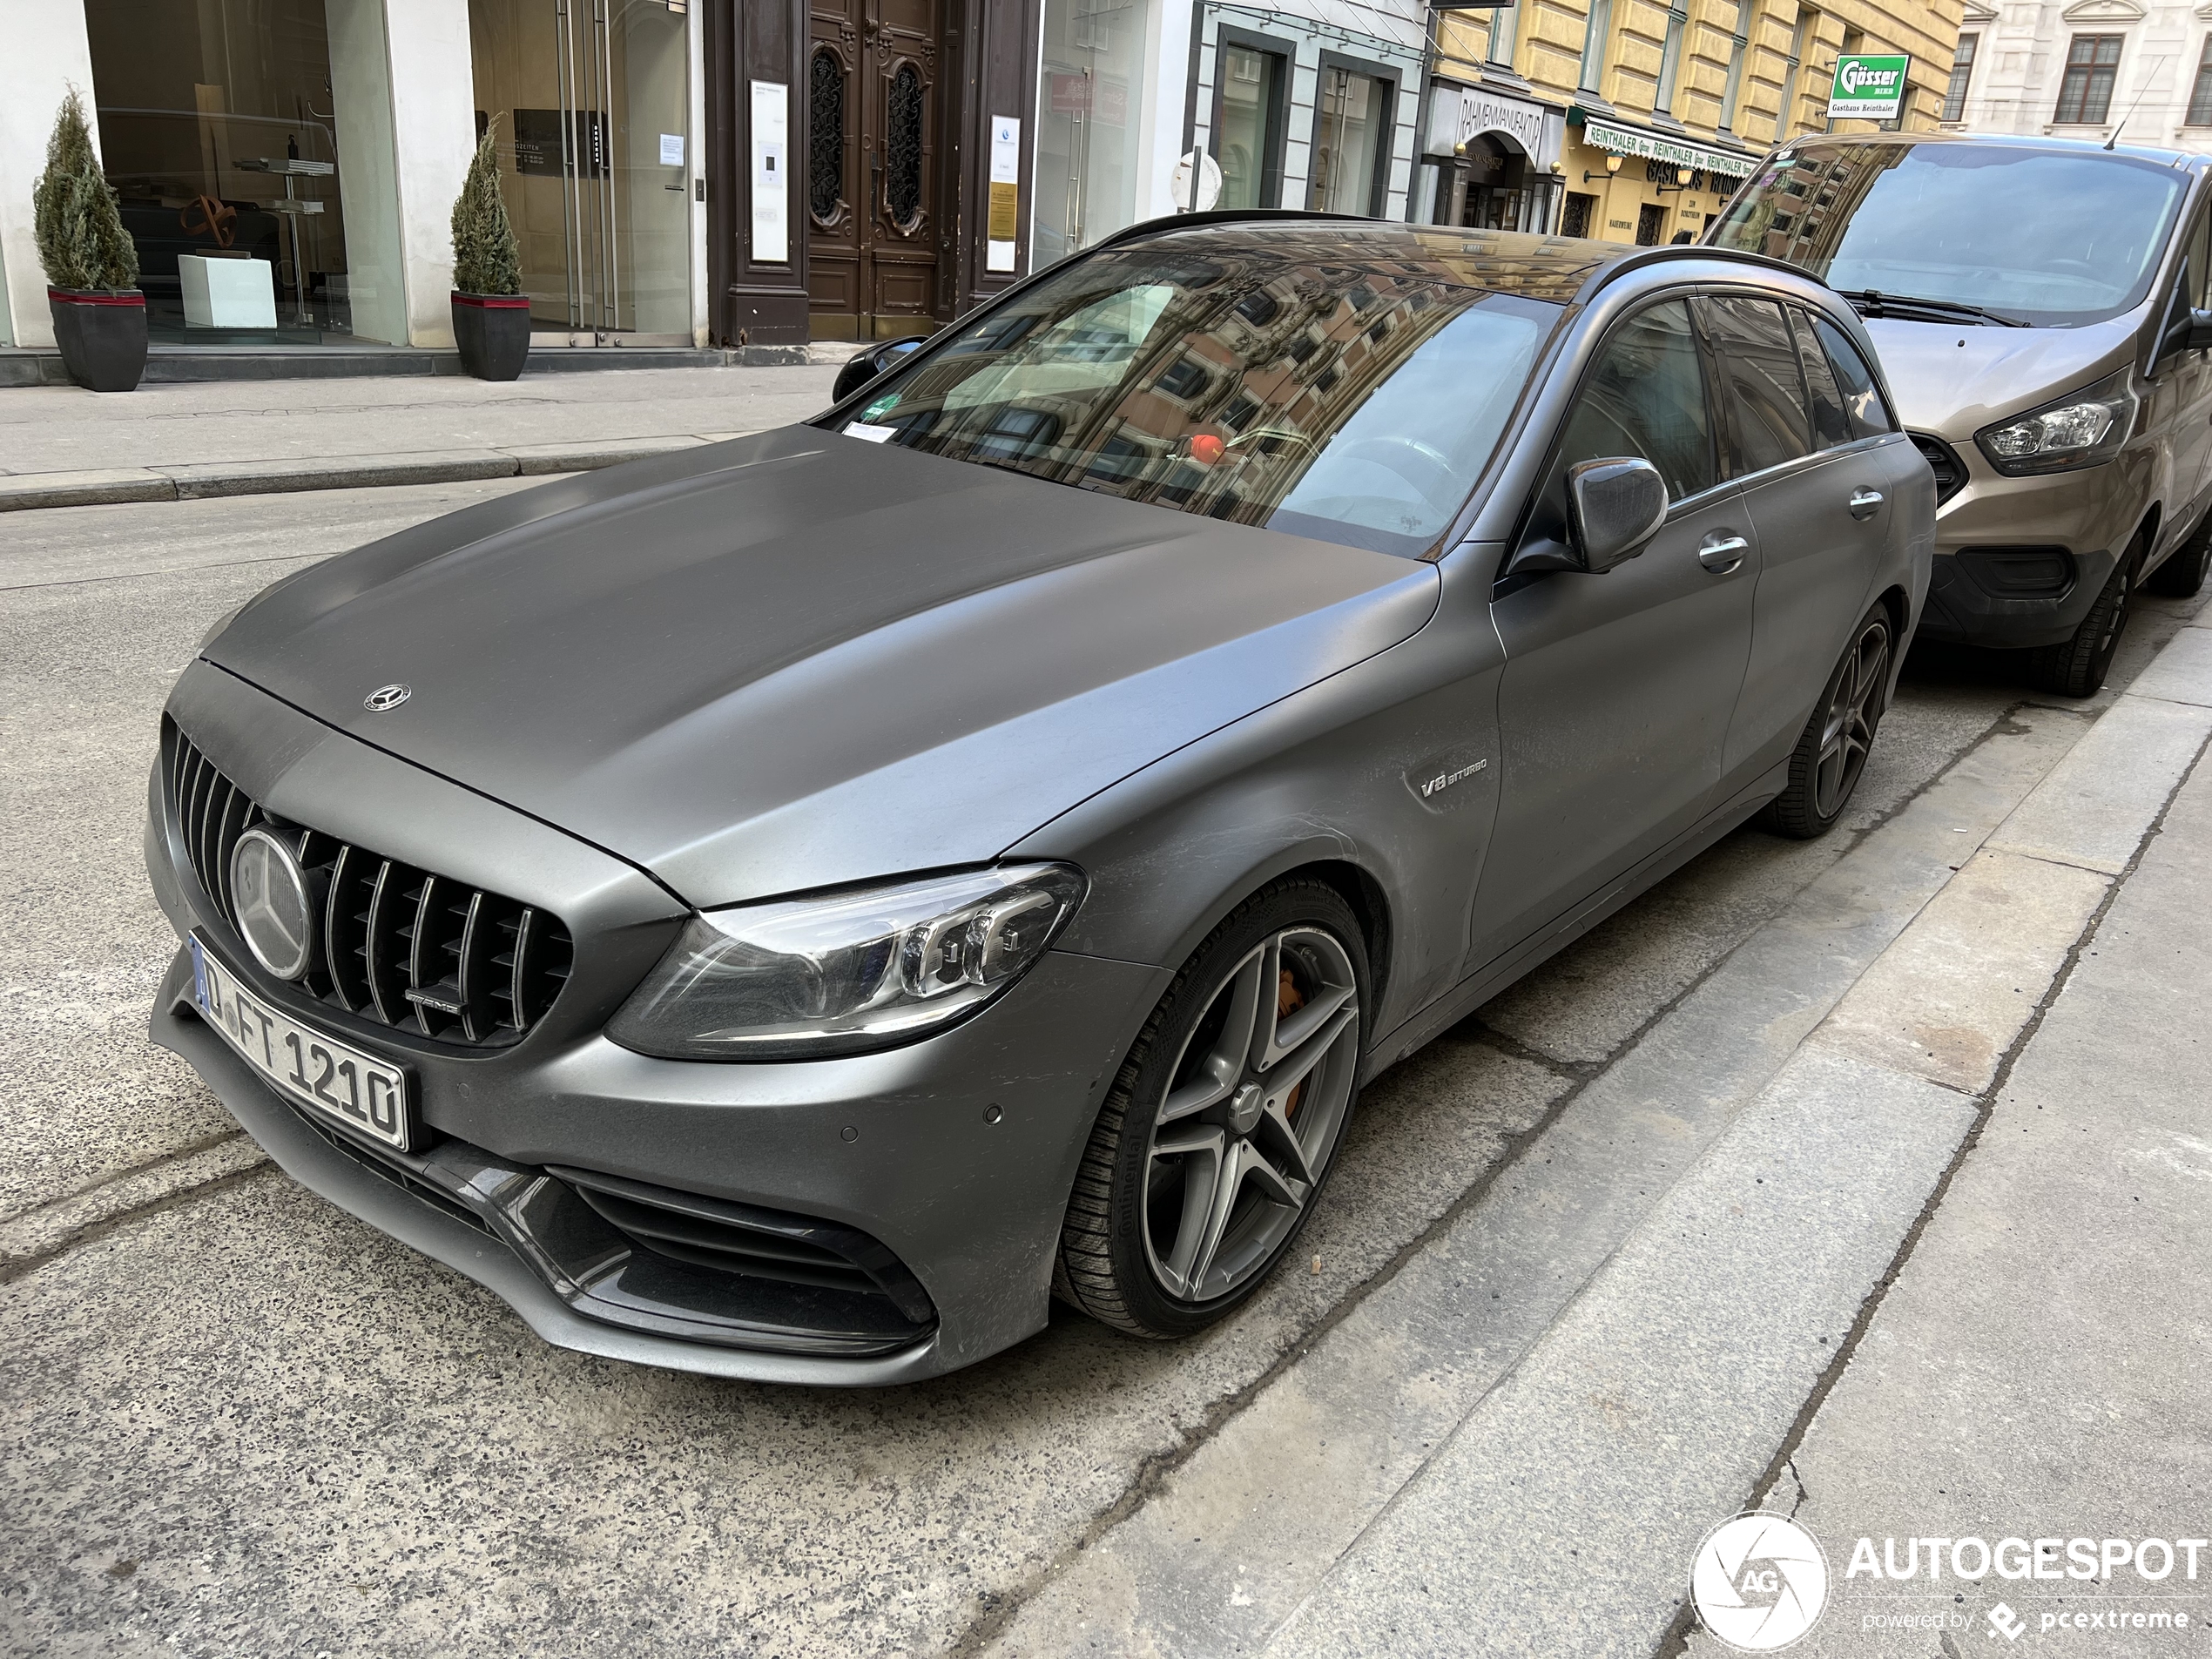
pixel 1646 396
pixel 1831 422
pixel 2045 236
pixel 1766 393
pixel 1352 402
pixel 1861 402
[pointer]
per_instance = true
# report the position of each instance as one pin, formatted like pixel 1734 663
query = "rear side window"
pixel 1645 396
pixel 1765 389
pixel 1861 402
pixel 1831 422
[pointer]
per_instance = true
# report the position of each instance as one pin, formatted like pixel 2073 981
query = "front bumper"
pixel 1990 531
pixel 901 1146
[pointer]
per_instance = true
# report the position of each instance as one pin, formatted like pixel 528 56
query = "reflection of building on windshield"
pixel 1802 220
pixel 1214 385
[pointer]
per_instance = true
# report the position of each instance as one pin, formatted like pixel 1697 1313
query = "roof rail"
pixel 1673 252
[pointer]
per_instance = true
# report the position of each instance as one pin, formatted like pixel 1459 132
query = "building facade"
pixel 2089 70
pixel 1635 120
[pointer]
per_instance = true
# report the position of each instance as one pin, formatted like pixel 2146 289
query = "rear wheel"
pixel 2076 666
pixel 2182 574
pixel 1831 753
pixel 1220 1129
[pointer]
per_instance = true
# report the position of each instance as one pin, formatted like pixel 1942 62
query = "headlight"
pixel 2080 430
pixel 845 971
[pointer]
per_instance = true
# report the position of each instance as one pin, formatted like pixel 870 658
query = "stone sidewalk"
pixel 62 446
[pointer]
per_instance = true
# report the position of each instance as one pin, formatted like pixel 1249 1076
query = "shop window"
pixel 1090 109
pixel 1651 223
pixel 2200 113
pixel 1575 218
pixel 825 136
pixel 1962 72
pixel 1352 123
pixel 250 143
pixel 2084 96
pixel 902 149
pixel 1248 95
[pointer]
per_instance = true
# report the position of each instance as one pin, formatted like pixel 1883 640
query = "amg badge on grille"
pixel 386 697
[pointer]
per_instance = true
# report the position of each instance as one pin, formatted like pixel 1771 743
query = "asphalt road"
pixel 237 1420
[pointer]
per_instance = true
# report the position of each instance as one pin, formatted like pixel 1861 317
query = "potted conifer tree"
pixel 491 315
pixel 91 264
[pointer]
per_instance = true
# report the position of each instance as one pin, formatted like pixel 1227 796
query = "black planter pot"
pixel 493 331
pixel 102 334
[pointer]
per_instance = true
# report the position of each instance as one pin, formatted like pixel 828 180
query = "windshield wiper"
pixel 1871 302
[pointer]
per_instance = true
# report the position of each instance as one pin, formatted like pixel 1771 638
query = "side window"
pixel 1861 402
pixel 2196 274
pixel 1765 389
pixel 1832 423
pixel 1646 396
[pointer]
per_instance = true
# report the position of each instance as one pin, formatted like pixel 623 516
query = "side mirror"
pixel 2200 331
pixel 863 367
pixel 1612 508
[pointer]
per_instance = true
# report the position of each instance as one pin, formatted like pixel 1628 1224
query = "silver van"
pixel 2039 307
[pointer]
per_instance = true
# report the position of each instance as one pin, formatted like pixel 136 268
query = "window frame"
pixel 2077 90
pixel 1275 139
pixel 1962 74
pixel 2198 113
pixel 1390 89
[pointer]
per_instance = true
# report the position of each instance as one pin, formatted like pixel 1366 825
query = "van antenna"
pixel 2132 108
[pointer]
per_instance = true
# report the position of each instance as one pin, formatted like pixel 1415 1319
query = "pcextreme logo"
pixel 1759 1582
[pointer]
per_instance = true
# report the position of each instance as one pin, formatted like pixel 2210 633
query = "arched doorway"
pixel 1492 186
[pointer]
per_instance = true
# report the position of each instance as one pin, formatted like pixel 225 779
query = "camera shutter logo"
pixel 1759 1582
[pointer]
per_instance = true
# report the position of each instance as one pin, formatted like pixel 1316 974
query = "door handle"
pixel 1721 553
pixel 1866 503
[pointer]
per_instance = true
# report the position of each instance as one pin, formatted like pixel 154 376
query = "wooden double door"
pixel 875 226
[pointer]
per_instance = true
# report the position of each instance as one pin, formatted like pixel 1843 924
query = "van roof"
pixel 2010 141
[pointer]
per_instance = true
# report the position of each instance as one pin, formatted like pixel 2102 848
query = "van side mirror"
pixel 863 367
pixel 1613 507
pixel 2200 331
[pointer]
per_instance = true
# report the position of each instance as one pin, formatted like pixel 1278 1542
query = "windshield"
pixel 2045 237
pixel 1350 402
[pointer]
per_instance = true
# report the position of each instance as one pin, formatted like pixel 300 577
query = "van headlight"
pixel 2083 429
pixel 843 973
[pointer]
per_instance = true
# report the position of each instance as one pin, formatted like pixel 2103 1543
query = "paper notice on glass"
pixel 770 183
pixel 671 149
pixel 1001 231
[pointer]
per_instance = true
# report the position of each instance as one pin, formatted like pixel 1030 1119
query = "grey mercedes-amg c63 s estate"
pixel 786 909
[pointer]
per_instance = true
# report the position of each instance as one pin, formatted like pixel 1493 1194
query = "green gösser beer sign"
pixel 1869 89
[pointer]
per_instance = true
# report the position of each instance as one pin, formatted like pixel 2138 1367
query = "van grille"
pixel 1943 461
pixel 414 950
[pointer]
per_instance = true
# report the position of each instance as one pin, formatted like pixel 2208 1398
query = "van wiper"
pixel 1871 303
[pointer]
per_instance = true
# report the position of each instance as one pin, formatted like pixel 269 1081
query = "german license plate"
pixel 330 1078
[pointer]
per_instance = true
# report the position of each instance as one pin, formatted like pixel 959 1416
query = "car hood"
pixel 1953 379
pixel 797 659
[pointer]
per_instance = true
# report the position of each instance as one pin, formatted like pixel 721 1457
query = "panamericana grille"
pixel 1943 461
pixel 413 950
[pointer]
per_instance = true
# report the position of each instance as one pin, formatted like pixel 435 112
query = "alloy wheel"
pixel 1854 710
pixel 1251 1115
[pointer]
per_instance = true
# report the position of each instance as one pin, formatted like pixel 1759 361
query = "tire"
pixel 1152 1243
pixel 1831 755
pixel 2076 666
pixel 2182 574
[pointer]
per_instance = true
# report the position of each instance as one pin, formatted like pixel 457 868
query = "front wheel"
pixel 2076 666
pixel 1219 1134
pixel 1832 752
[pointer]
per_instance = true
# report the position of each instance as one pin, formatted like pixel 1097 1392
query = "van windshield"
pixel 2051 237
pixel 1337 397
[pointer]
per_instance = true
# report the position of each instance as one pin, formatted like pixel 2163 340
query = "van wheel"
pixel 2076 667
pixel 1220 1129
pixel 1831 754
pixel 2183 572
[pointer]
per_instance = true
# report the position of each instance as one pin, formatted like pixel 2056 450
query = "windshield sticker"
pixel 871 434
pixel 880 408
